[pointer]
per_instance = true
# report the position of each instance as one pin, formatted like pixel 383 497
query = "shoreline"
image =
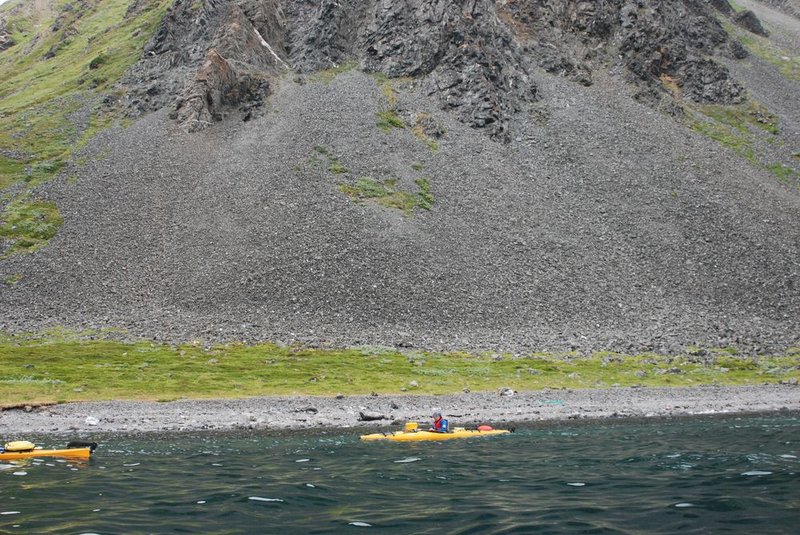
pixel 385 411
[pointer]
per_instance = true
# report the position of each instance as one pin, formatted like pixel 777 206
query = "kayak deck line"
pixel 418 436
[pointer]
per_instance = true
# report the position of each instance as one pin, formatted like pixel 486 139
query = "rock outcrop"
pixel 6 41
pixel 476 56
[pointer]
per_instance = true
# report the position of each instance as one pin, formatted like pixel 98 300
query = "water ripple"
pixel 606 478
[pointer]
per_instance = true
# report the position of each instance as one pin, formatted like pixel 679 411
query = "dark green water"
pixel 732 475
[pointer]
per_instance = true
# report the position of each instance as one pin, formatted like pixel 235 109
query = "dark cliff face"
pixel 217 58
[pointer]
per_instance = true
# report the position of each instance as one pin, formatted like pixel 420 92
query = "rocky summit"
pixel 513 175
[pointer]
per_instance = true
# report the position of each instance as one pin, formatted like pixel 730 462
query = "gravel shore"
pixel 306 412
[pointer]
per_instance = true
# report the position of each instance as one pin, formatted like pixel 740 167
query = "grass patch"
pixel 28 225
pixel 733 126
pixel 424 196
pixel 739 128
pixel 784 173
pixel 423 119
pixel 13 279
pixel 787 65
pixel 386 193
pixel 388 119
pixel 52 369
pixel 334 165
pixel 337 168
pixel 727 136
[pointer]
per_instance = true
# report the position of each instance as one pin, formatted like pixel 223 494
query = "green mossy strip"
pixel 784 173
pixel 787 64
pixel 328 75
pixel 388 119
pixel 386 193
pixel 740 128
pixel 74 368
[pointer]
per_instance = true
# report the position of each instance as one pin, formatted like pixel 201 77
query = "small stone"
pixel 371 416
pixel 413 384
pixel 91 420
pixel 507 392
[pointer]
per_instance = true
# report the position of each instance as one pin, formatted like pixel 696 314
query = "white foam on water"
pixel 302 460
pixel 95 510
pixel 787 456
pixel 201 502
pixel 685 504
pixel 360 524
pixel 409 460
pixel 20 473
pixel 131 464
pixel 260 499
pixel 216 464
pixel 9 512
pixel 576 484
pixel 309 485
pixel 756 473
pixel 6 466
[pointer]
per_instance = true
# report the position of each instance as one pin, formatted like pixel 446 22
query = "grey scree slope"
pixel 610 227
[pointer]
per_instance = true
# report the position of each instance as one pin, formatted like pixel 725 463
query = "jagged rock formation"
pixel 6 41
pixel 208 59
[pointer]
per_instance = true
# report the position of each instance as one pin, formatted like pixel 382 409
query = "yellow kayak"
pixel 74 450
pixel 72 453
pixel 414 436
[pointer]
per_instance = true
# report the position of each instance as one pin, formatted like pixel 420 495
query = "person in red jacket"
pixel 440 425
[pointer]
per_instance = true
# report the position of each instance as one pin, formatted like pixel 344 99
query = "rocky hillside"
pixel 476 57
pixel 510 174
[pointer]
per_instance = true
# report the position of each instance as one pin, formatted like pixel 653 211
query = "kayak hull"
pixel 71 453
pixel 419 436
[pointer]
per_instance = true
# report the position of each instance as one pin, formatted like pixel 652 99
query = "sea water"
pixel 704 475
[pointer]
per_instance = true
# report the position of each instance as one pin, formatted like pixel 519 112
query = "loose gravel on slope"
pixel 610 226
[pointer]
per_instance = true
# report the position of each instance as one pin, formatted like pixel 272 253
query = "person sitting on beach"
pixel 440 425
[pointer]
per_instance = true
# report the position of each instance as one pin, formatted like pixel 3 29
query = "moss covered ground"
pixel 62 367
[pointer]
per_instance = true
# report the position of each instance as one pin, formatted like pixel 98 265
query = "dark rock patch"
pixel 6 41
pixel 749 21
